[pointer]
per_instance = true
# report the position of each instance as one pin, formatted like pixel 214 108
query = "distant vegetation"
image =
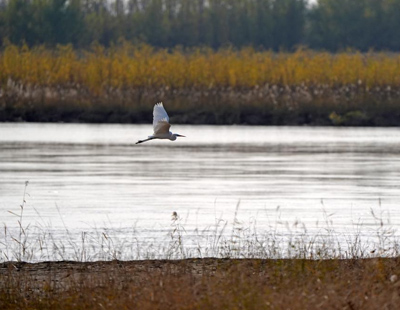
pixel 265 62
pixel 269 24
pixel 199 85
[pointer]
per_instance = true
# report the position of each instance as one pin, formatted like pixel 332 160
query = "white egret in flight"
pixel 161 125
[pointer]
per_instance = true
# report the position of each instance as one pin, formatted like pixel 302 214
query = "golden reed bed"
pixel 121 84
pixel 130 66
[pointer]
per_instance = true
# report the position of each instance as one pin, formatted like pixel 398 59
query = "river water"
pixel 92 180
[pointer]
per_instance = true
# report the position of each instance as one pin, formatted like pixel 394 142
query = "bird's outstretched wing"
pixel 160 119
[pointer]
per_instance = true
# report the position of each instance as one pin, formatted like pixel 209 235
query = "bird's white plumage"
pixel 160 119
pixel 161 125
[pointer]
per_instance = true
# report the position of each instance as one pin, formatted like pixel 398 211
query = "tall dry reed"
pixel 131 66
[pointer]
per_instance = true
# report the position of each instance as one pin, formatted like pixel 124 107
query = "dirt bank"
pixel 202 284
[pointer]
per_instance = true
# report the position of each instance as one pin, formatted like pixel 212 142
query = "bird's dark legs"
pixel 141 141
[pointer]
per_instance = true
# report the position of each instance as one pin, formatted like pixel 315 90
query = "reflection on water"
pixel 86 176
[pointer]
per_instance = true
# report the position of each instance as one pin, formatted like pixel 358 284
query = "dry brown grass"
pixel 202 284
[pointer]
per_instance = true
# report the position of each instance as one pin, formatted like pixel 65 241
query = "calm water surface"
pixel 85 177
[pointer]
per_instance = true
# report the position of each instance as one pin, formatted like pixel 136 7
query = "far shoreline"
pixel 217 110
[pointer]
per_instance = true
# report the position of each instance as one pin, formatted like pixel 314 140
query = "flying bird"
pixel 161 125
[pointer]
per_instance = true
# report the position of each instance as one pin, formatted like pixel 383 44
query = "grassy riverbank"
pixel 202 284
pixel 199 86
pixel 219 267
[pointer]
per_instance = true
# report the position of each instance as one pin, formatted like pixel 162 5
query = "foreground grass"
pixel 202 284
pixel 296 271
pixel 121 84
pixel 371 237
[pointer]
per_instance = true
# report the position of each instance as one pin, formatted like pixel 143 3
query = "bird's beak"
pixel 180 135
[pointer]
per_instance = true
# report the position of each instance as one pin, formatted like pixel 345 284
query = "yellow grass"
pixel 127 66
